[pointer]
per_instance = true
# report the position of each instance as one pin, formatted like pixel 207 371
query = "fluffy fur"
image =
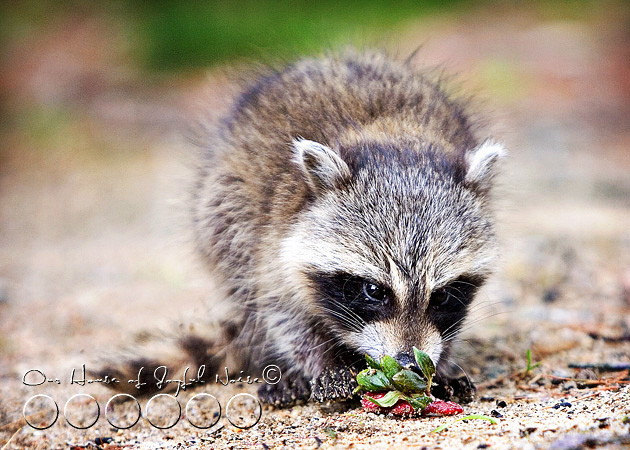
pixel 342 206
pixel 346 169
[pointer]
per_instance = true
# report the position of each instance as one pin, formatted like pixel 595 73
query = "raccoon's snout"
pixel 408 361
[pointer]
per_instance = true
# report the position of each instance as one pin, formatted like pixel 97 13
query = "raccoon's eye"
pixel 461 290
pixel 440 297
pixel 374 292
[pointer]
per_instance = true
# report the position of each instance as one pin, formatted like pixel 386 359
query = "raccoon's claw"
pixel 461 389
pixel 287 392
pixel 333 384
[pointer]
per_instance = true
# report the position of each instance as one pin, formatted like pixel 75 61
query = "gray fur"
pixel 354 164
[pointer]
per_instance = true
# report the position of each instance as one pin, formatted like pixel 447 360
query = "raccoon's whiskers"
pixel 346 315
pixel 451 361
pixel 470 325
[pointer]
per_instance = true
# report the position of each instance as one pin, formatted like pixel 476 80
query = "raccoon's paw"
pixel 460 389
pixel 287 392
pixel 333 384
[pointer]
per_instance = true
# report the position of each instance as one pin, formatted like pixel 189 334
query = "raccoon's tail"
pixel 153 356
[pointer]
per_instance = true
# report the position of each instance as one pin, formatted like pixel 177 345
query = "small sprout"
pixel 470 417
pixel 330 432
pixel 530 366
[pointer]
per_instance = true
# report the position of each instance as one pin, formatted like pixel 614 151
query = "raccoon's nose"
pixel 407 360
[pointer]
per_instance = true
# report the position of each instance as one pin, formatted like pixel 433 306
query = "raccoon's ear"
pixel 322 166
pixel 481 163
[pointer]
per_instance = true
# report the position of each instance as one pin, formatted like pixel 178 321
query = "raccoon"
pixel 343 207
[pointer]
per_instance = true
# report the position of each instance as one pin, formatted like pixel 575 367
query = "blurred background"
pixel 94 165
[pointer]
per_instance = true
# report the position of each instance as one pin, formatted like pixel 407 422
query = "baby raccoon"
pixel 342 207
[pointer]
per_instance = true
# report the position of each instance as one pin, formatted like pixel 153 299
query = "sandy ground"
pixel 94 248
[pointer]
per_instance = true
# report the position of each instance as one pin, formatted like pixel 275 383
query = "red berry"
pixel 443 408
pixel 400 408
pixel 371 406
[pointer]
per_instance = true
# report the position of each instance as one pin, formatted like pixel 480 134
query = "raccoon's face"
pixel 394 245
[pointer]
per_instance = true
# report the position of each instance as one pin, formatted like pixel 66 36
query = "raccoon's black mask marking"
pixel 449 305
pixel 353 301
pixel 348 299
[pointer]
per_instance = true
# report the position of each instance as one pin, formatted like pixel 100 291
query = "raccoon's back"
pixel 249 190
pixel 321 99
pixel 329 100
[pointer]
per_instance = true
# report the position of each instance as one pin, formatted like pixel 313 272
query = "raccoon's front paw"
pixel 333 384
pixel 461 389
pixel 287 392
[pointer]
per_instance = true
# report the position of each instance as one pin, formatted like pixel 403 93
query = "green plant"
pixel 398 383
pixel 530 366
pixel 470 417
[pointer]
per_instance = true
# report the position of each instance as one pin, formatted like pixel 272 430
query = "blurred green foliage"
pixel 172 35
pixel 188 34
pixel 168 35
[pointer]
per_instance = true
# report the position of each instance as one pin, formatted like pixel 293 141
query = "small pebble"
pixel 551 295
pixel 573 441
pixel 495 413
pixel 560 374
pixel 527 431
pixel 586 374
pixel 501 403
pixel 562 404
pixel 604 422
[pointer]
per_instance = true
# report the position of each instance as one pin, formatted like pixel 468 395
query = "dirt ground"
pixel 94 247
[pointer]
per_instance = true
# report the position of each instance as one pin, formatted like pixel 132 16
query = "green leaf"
pixel 425 363
pixel 390 366
pixel 530 366
pixel 419 402
pixel 387 400
pixel 473 416
pixel 372 362
pixel 409 382
pixel 373 380
pixel 528 355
